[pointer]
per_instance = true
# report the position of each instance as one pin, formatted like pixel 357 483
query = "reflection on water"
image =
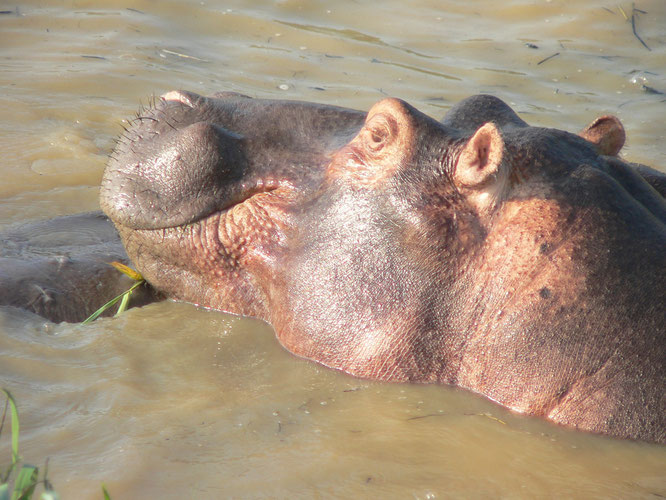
pixel 175 402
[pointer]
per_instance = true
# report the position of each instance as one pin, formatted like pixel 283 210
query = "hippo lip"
pixel 244 193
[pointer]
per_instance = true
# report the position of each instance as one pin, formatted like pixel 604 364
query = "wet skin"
pixel 522 263
pixel 59 268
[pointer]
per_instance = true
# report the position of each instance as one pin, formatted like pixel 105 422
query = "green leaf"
pixel 25 483
pixel 123 303
pixel 15 426
pixel 125 298
pixel 105 492
pixel 99 311
pixel 4 491
pixel 49 495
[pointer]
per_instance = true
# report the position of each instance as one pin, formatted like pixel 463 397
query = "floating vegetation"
pixel 180 54
pixel 123 298
pixel 548 58
pixel 634 16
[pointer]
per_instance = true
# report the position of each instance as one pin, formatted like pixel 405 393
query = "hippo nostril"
pixel 188 98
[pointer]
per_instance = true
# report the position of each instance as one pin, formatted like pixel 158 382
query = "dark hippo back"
pixel 59 268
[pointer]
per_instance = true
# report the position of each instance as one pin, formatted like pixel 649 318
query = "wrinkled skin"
pixel 522 263
pixel 60 269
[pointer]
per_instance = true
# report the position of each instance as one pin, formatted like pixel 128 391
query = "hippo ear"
pixel 480 159
pixel 606 133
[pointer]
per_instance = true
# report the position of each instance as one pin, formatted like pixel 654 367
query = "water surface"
pixel 174 402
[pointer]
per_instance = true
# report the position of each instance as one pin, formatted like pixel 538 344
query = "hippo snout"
pixel 164 176
pixel 189 156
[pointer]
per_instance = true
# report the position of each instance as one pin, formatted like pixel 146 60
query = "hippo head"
pixel 476 251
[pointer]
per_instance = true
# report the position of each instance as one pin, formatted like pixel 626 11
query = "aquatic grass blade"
pixel 124 302
pixel 4 478
pixel 123 297
pixel 104 491
pixel 47 484
pixel 99 311
pixel 49 495
pixel 25 483
pixel 126 297
pixel 4 491
pixel 15 426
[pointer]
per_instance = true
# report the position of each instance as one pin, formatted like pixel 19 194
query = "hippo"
pixel 524 264
pixel 59 268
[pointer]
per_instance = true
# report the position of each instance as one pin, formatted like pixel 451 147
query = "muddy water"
pixel 174 402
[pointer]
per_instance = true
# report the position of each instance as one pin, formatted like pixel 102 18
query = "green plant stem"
pixel 125 300
pixel 15 426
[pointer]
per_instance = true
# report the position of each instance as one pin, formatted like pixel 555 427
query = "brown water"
pixel 174 402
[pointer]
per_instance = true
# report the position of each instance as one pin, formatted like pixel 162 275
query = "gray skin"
pixel 522 263
pixel 59 268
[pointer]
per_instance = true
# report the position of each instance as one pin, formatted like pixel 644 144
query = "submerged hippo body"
pixel 522 263
pixel 59 268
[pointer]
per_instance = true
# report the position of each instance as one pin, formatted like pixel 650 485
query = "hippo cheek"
pixel 222 261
